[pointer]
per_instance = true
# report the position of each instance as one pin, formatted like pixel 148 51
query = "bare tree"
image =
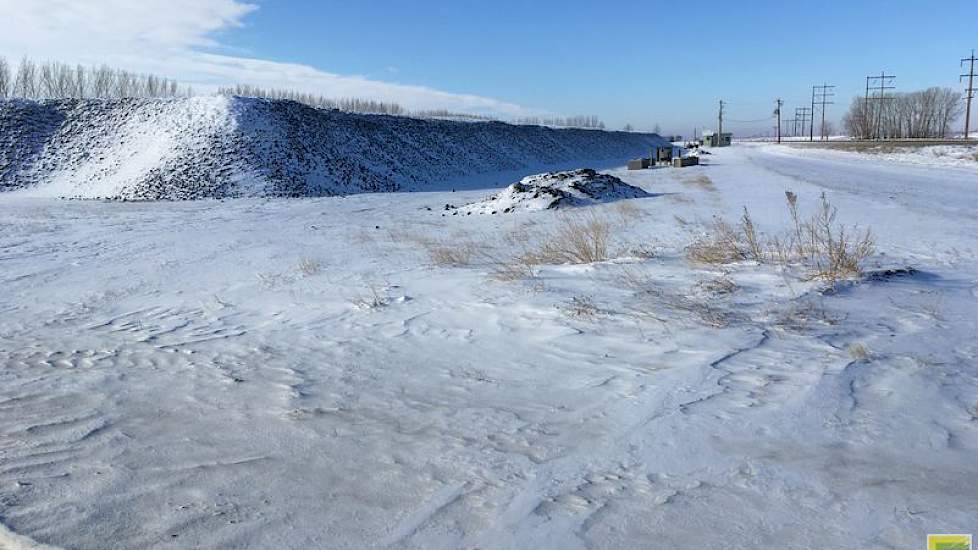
pixel 25 85
pixel 101 81
pixel 5 83
pixel 828 128
pixel 64 80
pixel 46 81
pixel 628 128
pixel 81 82
pixel 857 121
pixel 949 109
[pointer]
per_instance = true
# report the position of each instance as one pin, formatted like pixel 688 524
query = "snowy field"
pixel 960 156
pixel 335 373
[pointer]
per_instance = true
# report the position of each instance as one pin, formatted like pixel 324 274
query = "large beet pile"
pixel 226 147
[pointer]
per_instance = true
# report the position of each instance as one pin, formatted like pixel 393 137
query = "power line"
pixel 884 81
pixel 970 92
pixel 765 119
pixel 821 95
pixel 802 115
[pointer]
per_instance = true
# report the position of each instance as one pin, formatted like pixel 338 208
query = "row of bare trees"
pixel 55 80
pixel 922 114
pixel 580 121
pixel 353 105
pixel 450 115
pixel 356 105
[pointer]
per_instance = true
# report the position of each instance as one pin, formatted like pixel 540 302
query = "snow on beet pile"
pixel 233 146
pixel 555 190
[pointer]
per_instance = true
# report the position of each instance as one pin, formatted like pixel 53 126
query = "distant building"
pixel 711 139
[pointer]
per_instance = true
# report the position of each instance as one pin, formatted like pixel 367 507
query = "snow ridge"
pixel 232 146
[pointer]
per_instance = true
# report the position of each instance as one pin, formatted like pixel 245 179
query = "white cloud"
pixel 171 38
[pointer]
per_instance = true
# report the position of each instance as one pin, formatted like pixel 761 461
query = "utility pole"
pixel 720 123
pixel 822 94
pixel 811 127
pixel 777 111
pixel 866 109
pixel 970 92
pixel 884 79
pixel 803 115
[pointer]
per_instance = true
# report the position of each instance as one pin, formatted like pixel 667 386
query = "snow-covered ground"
pixel 959 156
pixel 273 373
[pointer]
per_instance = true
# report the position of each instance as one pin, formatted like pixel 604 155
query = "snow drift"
pixel 233 146
pixel 555 190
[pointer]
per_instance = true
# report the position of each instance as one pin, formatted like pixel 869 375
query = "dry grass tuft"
pixel 453 255
pixel 701 181
pixel 702 311
pixel 581 239
pixel 627 211
pixel 752 242
pixel 576 239
pixel 721 245
pixel 859 352
pixel 374 299
pixel 309 267
pixel 801 316
pixel 721 286
pixel 835 252
pixel 652 302
pixel 456 252
pixel 830 250
pixel 582 307
pixel 640 251
pixel 512 269
pixel 268 281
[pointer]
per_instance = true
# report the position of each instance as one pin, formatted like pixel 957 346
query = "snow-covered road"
pixel 301 374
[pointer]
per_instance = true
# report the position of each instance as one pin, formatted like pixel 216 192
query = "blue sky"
pixel 638 62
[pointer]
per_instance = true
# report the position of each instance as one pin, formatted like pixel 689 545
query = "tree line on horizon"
pixel 580 121
pixel 356 105
pixel 353 105
pixel 922 114
pixel 56 80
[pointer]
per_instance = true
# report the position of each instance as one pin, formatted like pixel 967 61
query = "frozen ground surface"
pixel 299 374
pixel 959 156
